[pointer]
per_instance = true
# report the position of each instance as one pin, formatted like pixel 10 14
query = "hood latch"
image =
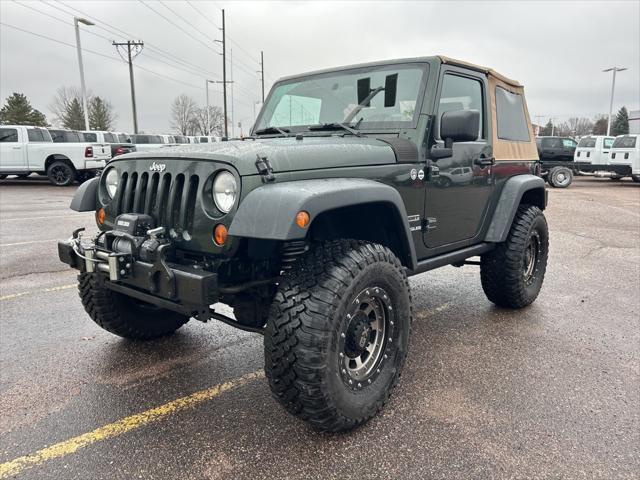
pixel 264 169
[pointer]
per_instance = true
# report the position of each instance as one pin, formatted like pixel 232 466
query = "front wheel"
pixel 513 272
pixel 338 333
pixel 125 316
pixel 635 178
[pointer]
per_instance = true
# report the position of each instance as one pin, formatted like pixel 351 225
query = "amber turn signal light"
pixel 220 234
pixel 102 215
pixel 303 219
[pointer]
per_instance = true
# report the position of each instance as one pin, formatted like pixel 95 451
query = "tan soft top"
pixel 503 149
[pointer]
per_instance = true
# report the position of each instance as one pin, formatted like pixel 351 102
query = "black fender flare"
pixel 269 211
pixel 510 198
pixel 86 197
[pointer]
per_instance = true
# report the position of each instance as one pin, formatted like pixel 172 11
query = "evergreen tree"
pixel 73 117
pixel 101 115
pixel 18 111
pixel 600 126
pixel 546 131
pixel 620 124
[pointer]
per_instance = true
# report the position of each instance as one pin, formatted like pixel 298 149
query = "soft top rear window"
pixel 587 142
pixel 624 142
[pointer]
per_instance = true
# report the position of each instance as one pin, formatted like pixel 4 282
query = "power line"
pixel 186 21
pixel 114 31
pixel 100 54
pixel 186 32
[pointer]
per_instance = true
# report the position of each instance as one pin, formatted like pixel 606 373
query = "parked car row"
pixel 597 155
pixel 66 156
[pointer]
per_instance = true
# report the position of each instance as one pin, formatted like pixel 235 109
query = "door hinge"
pixel 264 169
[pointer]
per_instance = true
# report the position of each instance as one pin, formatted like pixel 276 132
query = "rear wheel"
pixel 512 273
pixel 560 177
pixel 635 178
pixel 2 177
pixel 338 332
pixel 60 173
pixel 125 316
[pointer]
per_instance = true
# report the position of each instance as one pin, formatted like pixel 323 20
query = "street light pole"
pixel 76 22
pixel 613 87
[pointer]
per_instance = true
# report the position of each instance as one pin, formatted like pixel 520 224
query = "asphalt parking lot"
pixel 552 391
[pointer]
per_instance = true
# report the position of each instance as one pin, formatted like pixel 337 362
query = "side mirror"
pixel 459 126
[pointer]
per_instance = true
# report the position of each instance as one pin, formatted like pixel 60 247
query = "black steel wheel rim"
pixel 60 173
pixel 366 337
pixel 531 256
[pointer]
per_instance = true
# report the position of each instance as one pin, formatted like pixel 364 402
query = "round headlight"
pixel 111 182
pixel 225 190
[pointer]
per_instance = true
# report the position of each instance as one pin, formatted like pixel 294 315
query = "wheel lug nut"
pixel 385 356
pixel 341 354
pixel 348 316
pixel 350 382
pixel 369 380
pixel 344 370
pixel 342 335
pixel 359 385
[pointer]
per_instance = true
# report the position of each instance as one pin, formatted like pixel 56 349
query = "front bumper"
pixel 182 288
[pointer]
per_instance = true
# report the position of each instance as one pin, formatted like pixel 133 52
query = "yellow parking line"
pixel 44 290
pixel 121 426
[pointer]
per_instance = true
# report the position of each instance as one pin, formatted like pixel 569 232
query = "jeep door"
pixel 459 188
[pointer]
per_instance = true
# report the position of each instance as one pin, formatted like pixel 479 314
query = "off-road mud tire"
pixel 303 335
pixel 123 315
pixel 502 270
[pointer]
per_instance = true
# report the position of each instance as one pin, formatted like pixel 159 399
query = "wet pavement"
pixel 551 391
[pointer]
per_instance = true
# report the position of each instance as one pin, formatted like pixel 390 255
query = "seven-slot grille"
pixel 169 199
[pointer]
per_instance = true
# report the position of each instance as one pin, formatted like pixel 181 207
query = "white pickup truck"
pixel 25 150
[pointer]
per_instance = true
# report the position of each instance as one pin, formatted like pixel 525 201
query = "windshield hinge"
pixel 264 169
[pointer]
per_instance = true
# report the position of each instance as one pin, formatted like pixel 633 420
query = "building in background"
pixel 634 121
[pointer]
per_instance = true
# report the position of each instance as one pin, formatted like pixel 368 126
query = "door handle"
pixel 16 148
pixel 484 161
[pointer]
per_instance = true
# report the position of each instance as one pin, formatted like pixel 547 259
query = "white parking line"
pixel 44 218
pixel 28 243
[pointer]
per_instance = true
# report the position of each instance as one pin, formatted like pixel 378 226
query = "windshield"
pixel 333 97
pixel 624 142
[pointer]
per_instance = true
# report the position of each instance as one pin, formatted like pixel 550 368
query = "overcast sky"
pixel 556 49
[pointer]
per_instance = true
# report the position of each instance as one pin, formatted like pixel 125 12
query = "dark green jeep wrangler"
pixel 352 180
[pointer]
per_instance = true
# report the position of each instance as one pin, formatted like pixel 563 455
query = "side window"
pixel 461 93
pixel 35 135
pixel 568 143
pixel 90 137
pixel 511 119
pixel 608 142
pixel 8 135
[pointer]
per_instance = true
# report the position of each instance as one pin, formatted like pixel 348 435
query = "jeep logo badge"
pixel 157 167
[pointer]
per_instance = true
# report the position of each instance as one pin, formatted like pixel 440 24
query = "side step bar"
pixel 451 257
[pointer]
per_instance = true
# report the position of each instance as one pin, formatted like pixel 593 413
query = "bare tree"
pixel 62 103
pixel 183 112
pixel 216 121
pixel 580 126
pixel 69 113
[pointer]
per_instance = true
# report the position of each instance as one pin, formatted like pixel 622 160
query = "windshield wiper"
pixel 268 130
pixel 363 104
pixel 338 125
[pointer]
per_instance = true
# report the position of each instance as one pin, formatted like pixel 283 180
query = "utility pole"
pixel 262 72
pixel 224 76
pixel 233 128
pixel 131 44
pixel 613 87
pixel 85 107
